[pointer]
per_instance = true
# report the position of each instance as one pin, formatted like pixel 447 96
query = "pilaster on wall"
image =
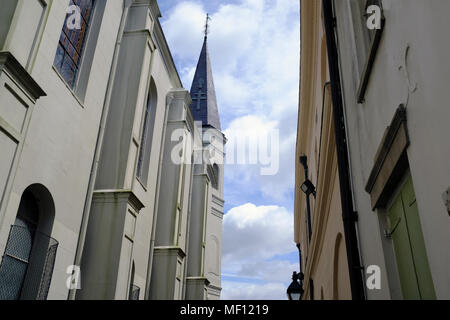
pixel 109 245
pixel 197 288
pixel 174 200
pixel 199 212
pixel 121 145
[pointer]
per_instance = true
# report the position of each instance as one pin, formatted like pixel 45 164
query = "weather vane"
pixel 208 18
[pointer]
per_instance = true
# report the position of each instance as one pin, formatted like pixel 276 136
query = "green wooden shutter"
pixel 425 280
pixel 409 246
pixel 403 251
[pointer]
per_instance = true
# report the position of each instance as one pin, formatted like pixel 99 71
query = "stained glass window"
pixel 72 40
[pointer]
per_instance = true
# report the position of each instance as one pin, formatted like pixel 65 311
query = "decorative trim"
pixel 390 158
pixel 204 280
pixel 371 58
pixel 169 63
pixel 129 195
pixel 218 201
pixel 216 288
pixel 10 63
pixel 180 252
pixel 217 213
pixel 155 9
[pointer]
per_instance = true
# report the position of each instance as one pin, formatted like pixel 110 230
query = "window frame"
pixel 374 37
pixel 84 51
pixel 147 132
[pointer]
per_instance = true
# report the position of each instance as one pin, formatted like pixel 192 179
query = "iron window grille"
pixel 26 274
pixel 135 291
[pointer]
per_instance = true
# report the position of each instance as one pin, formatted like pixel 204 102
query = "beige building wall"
pixel 324 257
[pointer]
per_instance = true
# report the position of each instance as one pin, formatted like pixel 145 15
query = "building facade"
pixel 393 75
pixel 319 229
pixel 387 79
pixel 97 184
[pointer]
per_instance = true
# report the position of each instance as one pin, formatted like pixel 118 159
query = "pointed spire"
pixel 204 102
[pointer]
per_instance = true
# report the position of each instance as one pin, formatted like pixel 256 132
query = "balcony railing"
pixel 27 265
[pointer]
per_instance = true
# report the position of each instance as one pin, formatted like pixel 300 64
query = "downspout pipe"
pixel 299 257
pixel 101 134
pixel 304 162
pixel 301 276
pixel 349 216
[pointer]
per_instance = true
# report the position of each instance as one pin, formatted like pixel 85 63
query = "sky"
pixel 254 47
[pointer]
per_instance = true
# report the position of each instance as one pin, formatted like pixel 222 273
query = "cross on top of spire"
pixel 204 102
pixel 208 18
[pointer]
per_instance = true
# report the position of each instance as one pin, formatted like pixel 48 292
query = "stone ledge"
pixel 15 69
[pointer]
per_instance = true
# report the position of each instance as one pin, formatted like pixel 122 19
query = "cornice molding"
pixel 218 201
pixel 389 160
pixel 126 195
pixel 13 67
pixel 203 280
pixel 179 251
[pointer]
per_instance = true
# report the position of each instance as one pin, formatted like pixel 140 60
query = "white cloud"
pixel 270 271
pixel 253 236
pixel 233 290
pixel 247 175
pixel 256 233
pixel 183 29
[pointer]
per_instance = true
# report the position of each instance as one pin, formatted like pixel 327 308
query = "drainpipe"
pixel 349 216
pixel 301 276
pixel 304 162
pixel 299 257
pixel 98 147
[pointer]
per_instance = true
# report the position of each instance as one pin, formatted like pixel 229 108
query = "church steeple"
pixel 204 103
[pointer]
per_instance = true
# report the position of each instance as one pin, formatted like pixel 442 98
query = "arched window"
pixel 135 291
pixel 213 255
pixel 147 134
pixel 337 270
pixel 27 266
pixel 216 179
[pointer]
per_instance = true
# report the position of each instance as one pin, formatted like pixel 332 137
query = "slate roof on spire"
pixel 204 102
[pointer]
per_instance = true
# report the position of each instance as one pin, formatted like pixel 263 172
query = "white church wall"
pixel 55 154
pixel 59 147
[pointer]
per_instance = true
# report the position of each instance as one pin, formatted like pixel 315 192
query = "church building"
pixel 111 173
